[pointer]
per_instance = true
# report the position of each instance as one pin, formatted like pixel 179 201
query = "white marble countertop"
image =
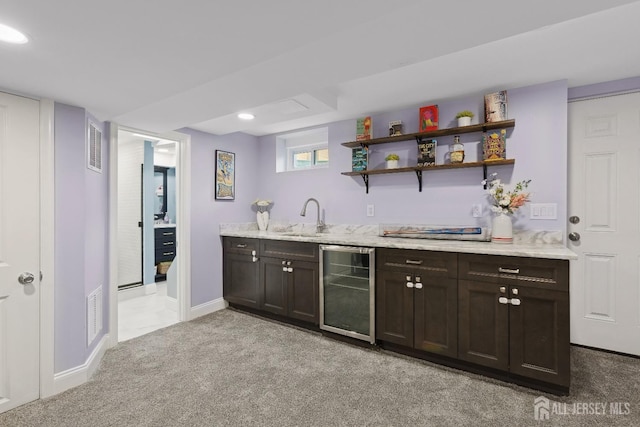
pixel 163 225
pixel 355 236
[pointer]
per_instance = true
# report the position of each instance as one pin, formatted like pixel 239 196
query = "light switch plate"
pixel 544 211
pixel 476 210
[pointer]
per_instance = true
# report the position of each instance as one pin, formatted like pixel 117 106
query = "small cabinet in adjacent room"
pixel 416 300
pixel 514 315
pixel 165 249
pixel 289 273
pixel 240 271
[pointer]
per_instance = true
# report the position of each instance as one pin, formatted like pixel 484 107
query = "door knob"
pixel 574 219
pixel 26 278
pixel 574 237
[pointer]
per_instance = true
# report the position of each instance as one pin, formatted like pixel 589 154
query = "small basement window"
pixel 302 150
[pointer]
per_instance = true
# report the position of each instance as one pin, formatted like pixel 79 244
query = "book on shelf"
pixel 364 130
pixel 395 128
pixel 494 145
pixel 359 159
pixel 495 106
pixel 427 152
pixel 428 118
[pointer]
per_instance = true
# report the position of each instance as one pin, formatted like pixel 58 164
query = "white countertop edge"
pixel 550 251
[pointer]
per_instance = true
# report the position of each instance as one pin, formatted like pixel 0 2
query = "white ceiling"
pixel 196 63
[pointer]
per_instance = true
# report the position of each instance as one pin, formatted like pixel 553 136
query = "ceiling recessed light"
pixel 11 35
pixel 246 116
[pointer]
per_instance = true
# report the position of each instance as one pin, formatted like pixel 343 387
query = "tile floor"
pixel 139 315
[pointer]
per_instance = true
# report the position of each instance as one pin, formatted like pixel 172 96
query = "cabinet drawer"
pixel 240 245
pixel 165 233
pixel 534 272
pixel 165 254
pixel 435 264
pixel 289 250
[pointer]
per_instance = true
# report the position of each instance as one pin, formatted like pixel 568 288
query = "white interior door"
pixel 19 251
pixel 604 193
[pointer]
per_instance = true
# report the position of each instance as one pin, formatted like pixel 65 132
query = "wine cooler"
pixel 347 291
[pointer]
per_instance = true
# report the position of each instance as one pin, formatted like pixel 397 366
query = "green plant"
pixel 465 113
pixel 392 156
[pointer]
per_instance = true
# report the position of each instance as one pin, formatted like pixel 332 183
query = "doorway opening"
pixel 150 286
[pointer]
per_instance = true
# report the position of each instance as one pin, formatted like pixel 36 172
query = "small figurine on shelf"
pixel 395 128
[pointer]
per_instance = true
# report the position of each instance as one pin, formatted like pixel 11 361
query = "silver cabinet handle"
pixel 168 233
pixel 167 244
pixel 284 262
pixel 514 291
pixel 253 256
pixel 26 278
pixel 409 284
pixel 515 301
pixel 503 300
pixel 503 289
pixel 412 262
pixel 509 270
pixel 167 253
pixel 290 269
pixel 284 269
pixel 418 285
pixel 241 245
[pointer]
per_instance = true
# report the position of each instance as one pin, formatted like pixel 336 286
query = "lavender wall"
pixel 538 143
pixel 81 243
pixel 615 86
pixel 207 213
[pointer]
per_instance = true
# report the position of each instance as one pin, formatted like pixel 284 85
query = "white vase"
pixel 502 230
pixel 263 220
pixel 392 164
pixel 464 121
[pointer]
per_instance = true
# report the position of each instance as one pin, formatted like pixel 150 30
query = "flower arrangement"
pixel 262 205
pixel 507 202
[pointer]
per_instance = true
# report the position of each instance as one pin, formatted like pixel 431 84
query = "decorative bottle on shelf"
pixel 457 151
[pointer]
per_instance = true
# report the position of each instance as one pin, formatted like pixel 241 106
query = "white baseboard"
pixel 150 288
pixel 208 308
pixel 80 374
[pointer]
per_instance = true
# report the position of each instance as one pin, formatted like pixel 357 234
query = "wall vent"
pixel 94 148
pixel 94 315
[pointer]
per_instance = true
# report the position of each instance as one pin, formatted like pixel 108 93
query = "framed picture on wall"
pixel 225 175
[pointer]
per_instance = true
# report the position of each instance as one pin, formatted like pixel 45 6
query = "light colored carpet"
pixel 234 369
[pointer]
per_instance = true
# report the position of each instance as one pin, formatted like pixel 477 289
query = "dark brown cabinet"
pixel 289 274
pixel 416 300
pixel 241 271
pixel 514 315
pixel 165 248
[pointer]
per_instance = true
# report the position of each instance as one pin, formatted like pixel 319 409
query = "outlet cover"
pixel 370 210
pixel 476 210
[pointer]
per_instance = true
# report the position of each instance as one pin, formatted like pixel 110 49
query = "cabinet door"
pixel 240 280
pixel 539 335
pixel 436 315
pixel 483 329
pixel 394 308
pixel 303 291
pixel 274 286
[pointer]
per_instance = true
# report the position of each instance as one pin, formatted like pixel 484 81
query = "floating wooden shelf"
pixel 419 169
pixel 483 127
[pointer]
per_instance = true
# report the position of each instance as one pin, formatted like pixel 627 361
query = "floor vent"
pixel 94 315
pixel 94 148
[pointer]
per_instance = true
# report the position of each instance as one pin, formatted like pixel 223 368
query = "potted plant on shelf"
pixel 392 161
pixel 464 118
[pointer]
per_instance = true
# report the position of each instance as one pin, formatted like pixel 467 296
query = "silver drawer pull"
pixel 409 284
pixel 509 270
pixel 167 253
pixel 412 262
pixel 168 233
pixel 515 301
pixel 503 300
pixel 168 243
pixel 253 256
pixel 241 245
pixel 418 285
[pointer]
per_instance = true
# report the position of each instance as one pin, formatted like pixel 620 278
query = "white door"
pixel 604 193
pixel 19 251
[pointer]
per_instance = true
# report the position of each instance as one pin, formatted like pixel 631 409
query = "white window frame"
pixel 292 151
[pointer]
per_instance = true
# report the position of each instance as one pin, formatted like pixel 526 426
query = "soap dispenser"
pixel 166 218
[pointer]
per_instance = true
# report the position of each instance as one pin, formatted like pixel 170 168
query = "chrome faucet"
pixel 320 224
